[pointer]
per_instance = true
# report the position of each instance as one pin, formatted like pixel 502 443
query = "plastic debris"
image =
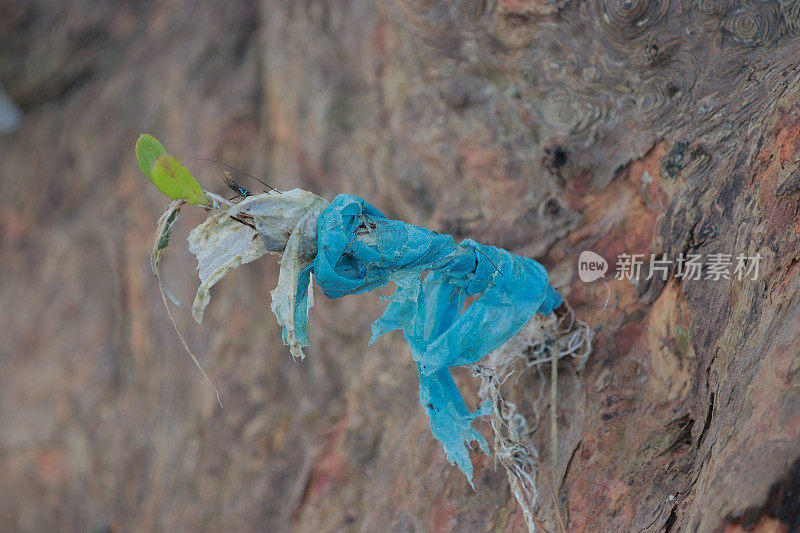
pixel 279 223
pixel 350 247
pixel 360 250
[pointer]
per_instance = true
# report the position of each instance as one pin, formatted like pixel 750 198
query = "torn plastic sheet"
pixel 359 249
pixel 281 223
pixel 350 247
pixel 220 244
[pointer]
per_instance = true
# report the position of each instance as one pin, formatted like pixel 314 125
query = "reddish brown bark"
pixel 524 124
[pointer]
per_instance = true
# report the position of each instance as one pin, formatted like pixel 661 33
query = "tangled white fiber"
pixel 544 339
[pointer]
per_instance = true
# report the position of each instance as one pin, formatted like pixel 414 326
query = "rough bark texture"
pixel 525 124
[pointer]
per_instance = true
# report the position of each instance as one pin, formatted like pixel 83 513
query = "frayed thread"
pixel 544 339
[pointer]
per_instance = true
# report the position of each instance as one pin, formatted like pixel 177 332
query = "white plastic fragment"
pixel 277 215
pixel 281 223
pixel 220 244
pixel 285 294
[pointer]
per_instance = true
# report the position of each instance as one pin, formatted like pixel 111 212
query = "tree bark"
pixel 546 127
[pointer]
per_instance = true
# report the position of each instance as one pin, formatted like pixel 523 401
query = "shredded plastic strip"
pixel 359 249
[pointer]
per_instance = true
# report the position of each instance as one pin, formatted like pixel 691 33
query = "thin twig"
pixel 554 433
pixel 559 518
pixel 183 341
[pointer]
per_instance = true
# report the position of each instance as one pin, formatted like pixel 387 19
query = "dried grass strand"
pixel 163 230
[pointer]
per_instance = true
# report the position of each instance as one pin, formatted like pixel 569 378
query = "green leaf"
pixel 175 181
pixel 148 149
pixel 166 172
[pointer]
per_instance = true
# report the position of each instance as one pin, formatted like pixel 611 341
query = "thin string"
pixel 605 305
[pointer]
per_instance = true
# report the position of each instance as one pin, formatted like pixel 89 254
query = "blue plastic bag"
pixel 359 249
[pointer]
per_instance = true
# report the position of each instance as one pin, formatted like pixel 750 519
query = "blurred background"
pixel 544 127
pixel 105 424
